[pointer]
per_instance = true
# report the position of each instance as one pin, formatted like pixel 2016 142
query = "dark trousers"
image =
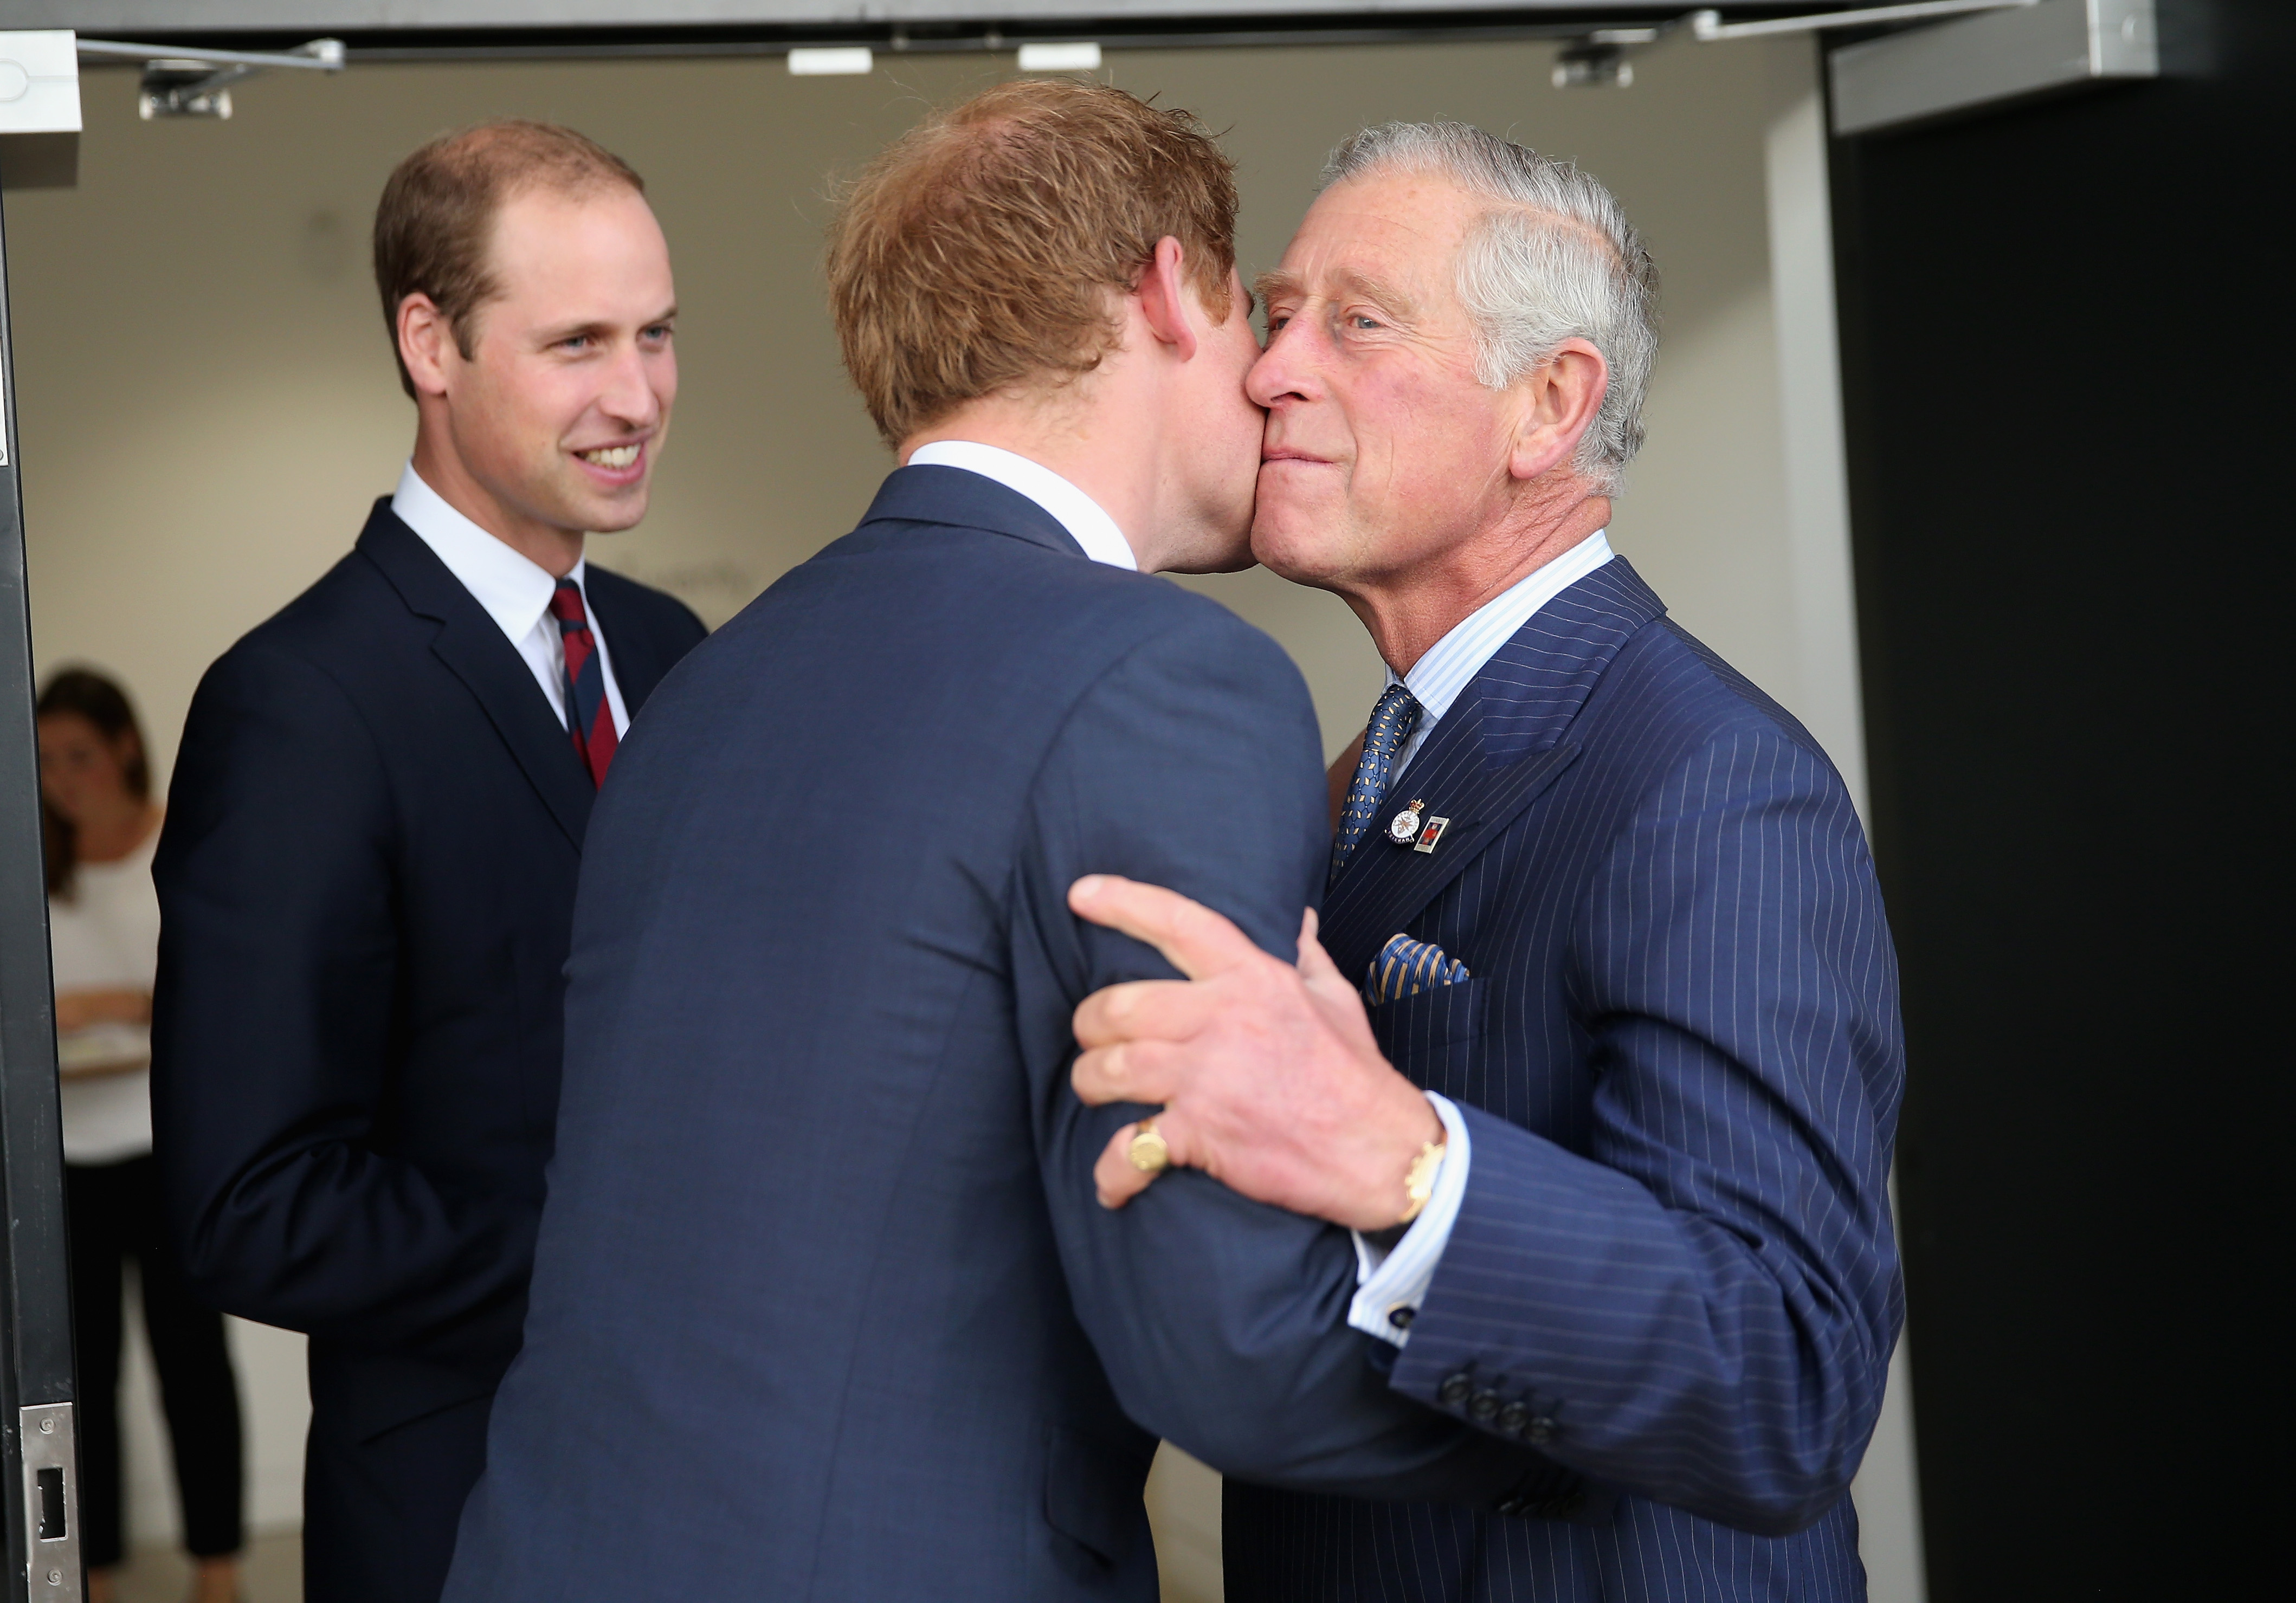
pixel 115 1216
pixel 380 1513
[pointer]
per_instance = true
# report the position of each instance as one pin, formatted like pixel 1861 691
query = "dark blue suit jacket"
pixel 366 883
pixel 1680 1061
pixel 823 1305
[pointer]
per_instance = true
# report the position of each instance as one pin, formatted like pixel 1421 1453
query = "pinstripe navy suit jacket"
pixel 1680 1060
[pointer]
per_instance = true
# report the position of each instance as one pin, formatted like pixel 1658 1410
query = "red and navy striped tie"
pixel 587 713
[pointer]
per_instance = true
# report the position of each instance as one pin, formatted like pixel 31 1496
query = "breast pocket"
pixel 1431 1035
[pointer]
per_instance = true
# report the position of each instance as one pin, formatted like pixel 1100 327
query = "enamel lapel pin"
pixel 1410 828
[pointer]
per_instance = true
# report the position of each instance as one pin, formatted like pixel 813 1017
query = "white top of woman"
pixel 105 936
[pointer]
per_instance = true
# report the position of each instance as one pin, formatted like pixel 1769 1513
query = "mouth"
pixel 1279 454
pixel 616 464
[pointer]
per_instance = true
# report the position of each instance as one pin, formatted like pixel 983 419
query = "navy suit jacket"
pixel 824 1306
pixel 366 883
pixel 1679 1059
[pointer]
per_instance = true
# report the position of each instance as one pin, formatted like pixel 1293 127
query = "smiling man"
pixel 367 874
pixel 1599 1051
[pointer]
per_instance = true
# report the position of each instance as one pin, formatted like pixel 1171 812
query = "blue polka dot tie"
pixel 1391 722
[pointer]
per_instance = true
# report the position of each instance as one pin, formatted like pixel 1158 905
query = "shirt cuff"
pixel 1392 1282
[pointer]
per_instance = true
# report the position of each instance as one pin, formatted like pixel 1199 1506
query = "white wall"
pixel 207 405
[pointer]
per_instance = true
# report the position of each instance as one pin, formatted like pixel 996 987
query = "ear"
pixel 426 343
pixel 1164 295
pixel 1560 402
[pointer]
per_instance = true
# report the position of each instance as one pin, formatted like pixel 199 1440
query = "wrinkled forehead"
pixel 1396 230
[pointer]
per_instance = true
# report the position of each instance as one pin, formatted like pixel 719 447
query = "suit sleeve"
pixel 273 1018
pixel 1221 1323
pixel 1700 1308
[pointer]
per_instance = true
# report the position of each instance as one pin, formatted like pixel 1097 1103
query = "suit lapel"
pixel 1503 743
pixel 475 650
pixel 1385 885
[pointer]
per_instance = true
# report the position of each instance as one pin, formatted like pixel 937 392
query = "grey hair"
pixel 1556 259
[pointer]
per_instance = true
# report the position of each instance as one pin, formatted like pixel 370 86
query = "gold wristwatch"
pixel 1419 1183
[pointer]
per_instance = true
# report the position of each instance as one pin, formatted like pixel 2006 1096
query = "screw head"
pixel 55 1577
pixel 47 1428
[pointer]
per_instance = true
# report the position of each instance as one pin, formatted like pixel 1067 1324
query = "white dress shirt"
pixel 1087 522
pixel 1391 1283
pixel 514 590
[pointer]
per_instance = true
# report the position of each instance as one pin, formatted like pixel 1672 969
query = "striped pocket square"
pixel 1405 967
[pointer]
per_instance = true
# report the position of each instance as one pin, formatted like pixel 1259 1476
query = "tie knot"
pixel 566 603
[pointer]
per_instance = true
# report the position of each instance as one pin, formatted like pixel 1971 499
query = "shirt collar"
pixel 1452 662
pixel 514 590
pixel 1087 524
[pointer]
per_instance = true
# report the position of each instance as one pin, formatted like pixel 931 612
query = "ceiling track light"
pixel 185 81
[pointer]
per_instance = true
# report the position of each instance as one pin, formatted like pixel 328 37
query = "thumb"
pixel 1337 1002
pixel 1315 964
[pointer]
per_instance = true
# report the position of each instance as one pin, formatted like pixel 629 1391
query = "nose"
pixel 631 394
pixel 1286 370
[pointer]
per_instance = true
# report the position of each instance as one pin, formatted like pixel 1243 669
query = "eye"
pixel 1361 320
pixel 575 342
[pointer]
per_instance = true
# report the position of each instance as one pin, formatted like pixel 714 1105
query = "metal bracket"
pixel 1600 60
pixel 1708 25
pixel 181 81
pixel 51 1502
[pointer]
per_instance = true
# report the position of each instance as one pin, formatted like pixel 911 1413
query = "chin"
pixel 612 515
pixel 1287 547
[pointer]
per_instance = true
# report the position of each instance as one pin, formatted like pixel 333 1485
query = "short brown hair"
pixel 439 206
pixel 976 252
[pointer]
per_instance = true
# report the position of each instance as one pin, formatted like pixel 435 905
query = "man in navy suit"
pixel 823 1305
pixel 368 869
pixel 1614 1137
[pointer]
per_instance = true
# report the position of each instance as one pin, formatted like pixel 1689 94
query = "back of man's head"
pixel 983 250
pixel 438 211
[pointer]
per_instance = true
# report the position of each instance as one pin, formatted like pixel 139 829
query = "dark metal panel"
pixel 34 1295
pixel 2067 433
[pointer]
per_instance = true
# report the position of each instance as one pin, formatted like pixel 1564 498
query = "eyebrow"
pixel 1348 281
pixel 595 328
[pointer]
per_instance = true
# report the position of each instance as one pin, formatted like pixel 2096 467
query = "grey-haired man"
pixel 1599 1051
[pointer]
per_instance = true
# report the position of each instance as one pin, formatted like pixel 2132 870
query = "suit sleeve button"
pixel 1513 1417
pixel 1541 1431
pixel 1484 1406
pixel 1453 1390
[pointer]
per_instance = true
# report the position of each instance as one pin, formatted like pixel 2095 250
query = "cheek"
pixel 1423 447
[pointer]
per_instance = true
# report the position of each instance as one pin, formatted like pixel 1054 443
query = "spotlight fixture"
pixel 1594 67
pixel 181 81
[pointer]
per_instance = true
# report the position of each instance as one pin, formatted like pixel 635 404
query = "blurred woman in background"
pixel 102 826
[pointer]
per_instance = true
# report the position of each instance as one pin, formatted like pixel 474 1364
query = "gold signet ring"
pixel 1148 1152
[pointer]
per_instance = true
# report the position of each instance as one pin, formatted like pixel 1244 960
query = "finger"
pixel 1130 1071
pixel 1194 939
pixel 1114 1179
pixel 1309 927
pixel 1117 1179
pixel 1338 1002
pixel 1161 1010
pixel 1315 964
